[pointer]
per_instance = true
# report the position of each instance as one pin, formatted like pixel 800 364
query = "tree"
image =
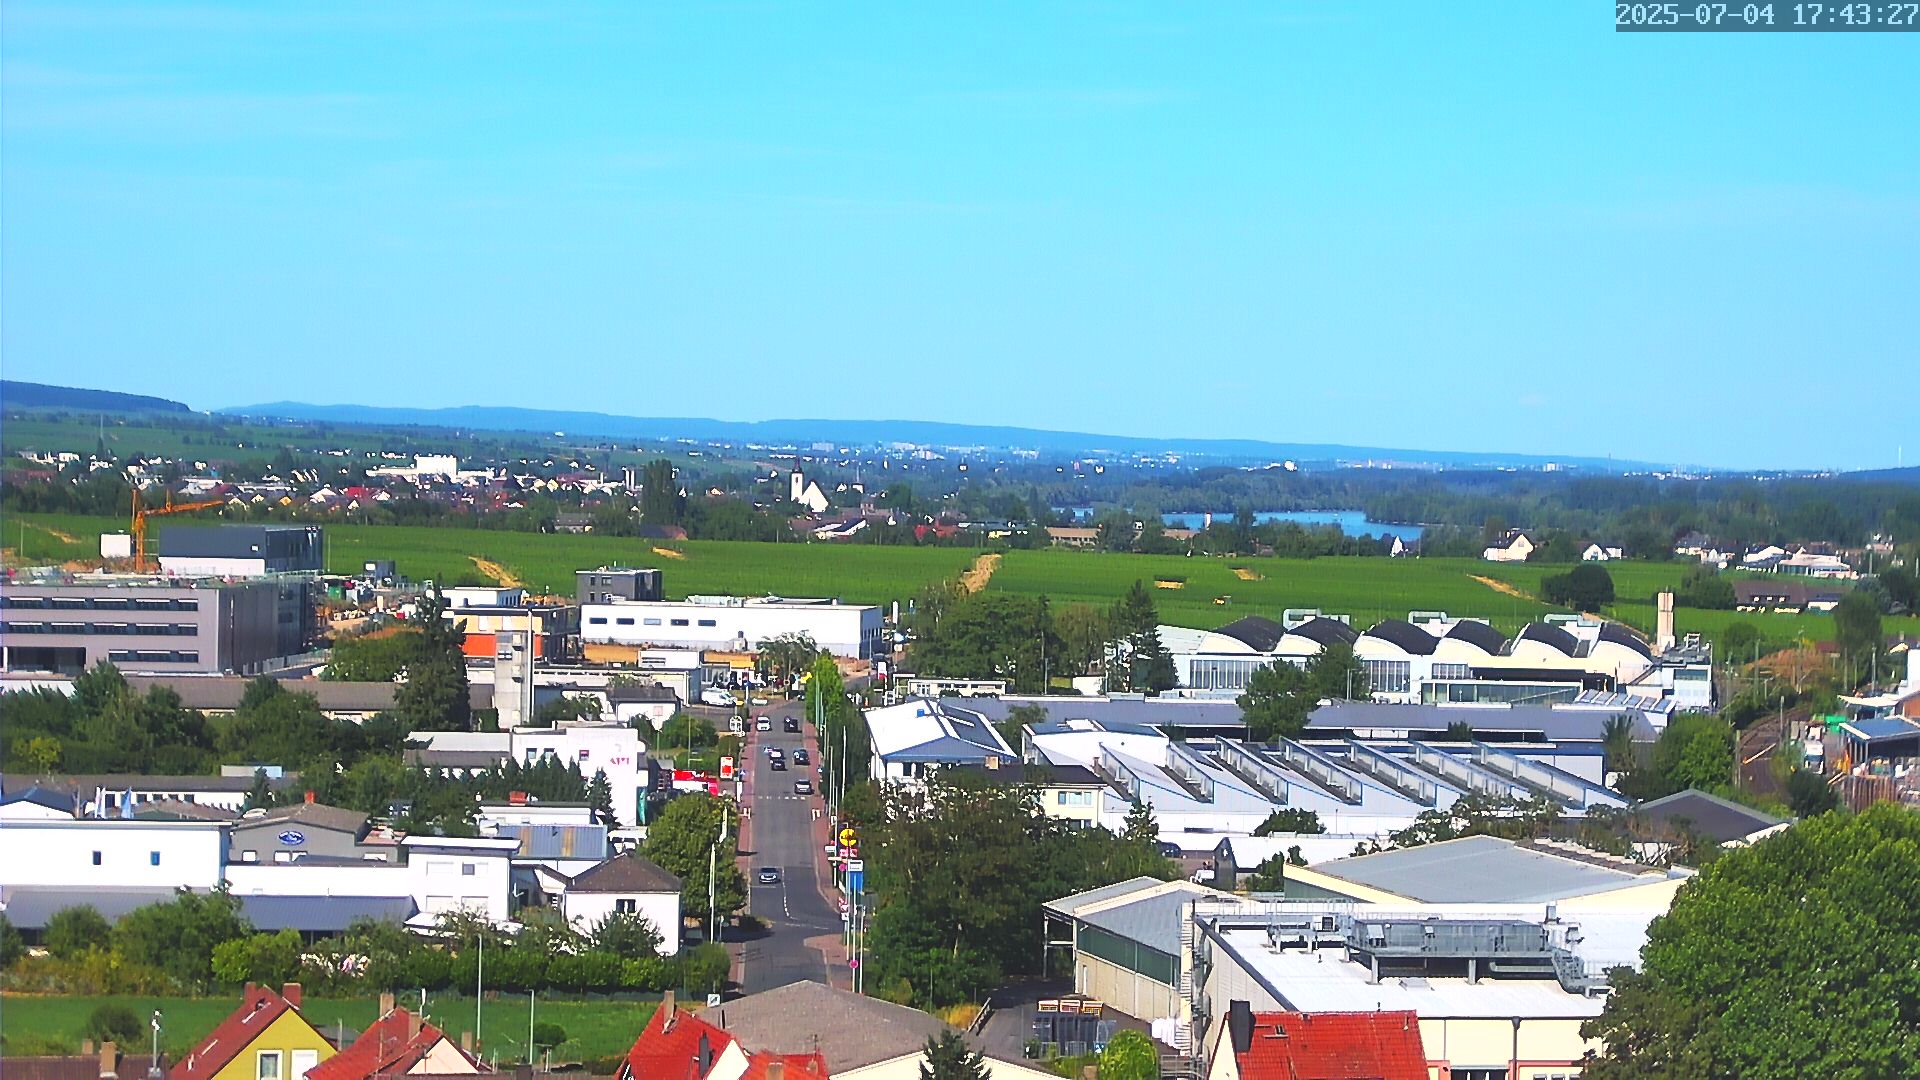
pixel 1695 751
pixel 1810 795
pixel 1129 1056
pixel 1738 640
pixel 783 656
pixel 115 1023
pixel 179 936
pixel 1019 718
pixel 12 946
pixel 1857 632
pixel 1703 587
pixel 1146 667
pixel 1586 587
pixel 72 931
pixel 991 635
pixel 626 933
pixel 600 798
pixel 949 1058
pixel 1140 828
pixel 547 1035
pixel 1902 587
pixel 1084 635
pixel 1291 820
pixel 1275 703
pixel 1335 672
pixel 660 499
pixel 263 958
pixel 686 729
pixel 1787 958
pixel 681 840
pixel 434 697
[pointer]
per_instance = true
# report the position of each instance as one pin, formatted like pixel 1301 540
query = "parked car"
pixel 803 787
pixel 793 724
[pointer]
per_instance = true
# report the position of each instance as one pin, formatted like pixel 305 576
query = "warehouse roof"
pixel 1713 817
pixel 323 914
pixel 1485 869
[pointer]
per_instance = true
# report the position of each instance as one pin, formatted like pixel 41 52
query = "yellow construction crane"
pixel 141 513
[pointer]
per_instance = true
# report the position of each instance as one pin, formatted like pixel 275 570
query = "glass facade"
pixel 1389 676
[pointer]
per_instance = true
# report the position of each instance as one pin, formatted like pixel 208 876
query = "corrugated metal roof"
pixel 1067 905
pixel 557 841
pixel 1153 922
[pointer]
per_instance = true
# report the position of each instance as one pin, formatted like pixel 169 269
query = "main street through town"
pixel 784 835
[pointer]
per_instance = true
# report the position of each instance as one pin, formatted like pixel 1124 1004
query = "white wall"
pixel 660 909
pixel 594 747
pixel 164 854
pixel 842 629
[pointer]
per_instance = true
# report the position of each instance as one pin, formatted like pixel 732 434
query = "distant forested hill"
pixel 27 395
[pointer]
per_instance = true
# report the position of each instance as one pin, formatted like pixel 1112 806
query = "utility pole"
pixel 479 981
pixel 530 1027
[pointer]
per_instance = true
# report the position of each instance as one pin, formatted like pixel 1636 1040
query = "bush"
pixel 115 1023
pixel 704 968
pixel 72 931
pixel 647 974
pixel 546 1036
pixel 11 945
pixel 1129 1056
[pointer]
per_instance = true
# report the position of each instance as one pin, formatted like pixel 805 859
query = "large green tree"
pixel 992 635
pixel 1694 751
pixel 1858 633
pixel 1143 664
pixel 660 500
pixel 1794 957
pixel 434 697
pixel 683 839
pixel 947 1057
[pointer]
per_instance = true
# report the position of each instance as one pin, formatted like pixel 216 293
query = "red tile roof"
pixel 389 1047
pixel 1335 1046
pixel 259 1008
pixel 810 1066
pixel 668 1046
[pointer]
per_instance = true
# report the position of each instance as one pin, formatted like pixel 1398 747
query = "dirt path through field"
pixel 500 574
pixel 980 572
pixel 669 553
pixel 1502 588
pixel 65 538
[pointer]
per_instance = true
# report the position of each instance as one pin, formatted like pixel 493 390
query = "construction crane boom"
pixel 142 512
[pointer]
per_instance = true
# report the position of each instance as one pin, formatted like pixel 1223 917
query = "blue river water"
pixel 1350 522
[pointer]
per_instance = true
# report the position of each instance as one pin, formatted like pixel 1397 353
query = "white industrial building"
pixel 736 623
pixel 611 748
pixel 920 736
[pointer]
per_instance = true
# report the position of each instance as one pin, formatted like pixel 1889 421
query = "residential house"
pixel 1812 564
pixel 1513 546
pixel 855 1036
pixel 1318 1046
pixel 1069 793
pixel 400 1043
pixel 1073 537
pixel 677 1044
pixel 1775 594
pixel 266 1038
pixel 1592 551
pixel 631 885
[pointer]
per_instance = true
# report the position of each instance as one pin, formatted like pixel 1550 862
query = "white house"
pixel 1595 552
pixel 631 884
pixel 1512 547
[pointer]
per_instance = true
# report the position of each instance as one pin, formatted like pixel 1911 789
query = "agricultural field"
pixel 598 1028
pixel 1210 592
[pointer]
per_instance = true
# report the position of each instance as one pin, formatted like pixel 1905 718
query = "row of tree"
pixel 1022 640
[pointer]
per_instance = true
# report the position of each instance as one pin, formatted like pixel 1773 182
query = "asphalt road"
pixel 783 838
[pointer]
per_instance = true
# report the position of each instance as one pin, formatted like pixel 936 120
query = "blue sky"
pixel 1495 226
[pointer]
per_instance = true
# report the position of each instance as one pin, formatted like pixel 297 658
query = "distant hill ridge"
pixel 876 432
pixel 30 395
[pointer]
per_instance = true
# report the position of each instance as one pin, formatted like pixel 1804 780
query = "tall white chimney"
pixel 1663 626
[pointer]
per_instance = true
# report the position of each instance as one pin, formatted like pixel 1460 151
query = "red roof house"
pixel 1326 1046
pixel 678 1045
pixel 400 1043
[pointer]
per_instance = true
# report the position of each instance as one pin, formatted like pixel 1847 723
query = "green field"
pixel 599 1028
pixel 1368 589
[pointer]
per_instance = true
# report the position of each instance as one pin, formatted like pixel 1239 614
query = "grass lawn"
pixel 595 1029
pixel 1211 591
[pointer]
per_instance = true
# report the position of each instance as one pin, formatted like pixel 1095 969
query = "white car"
pixel 717 696
pixel 763 724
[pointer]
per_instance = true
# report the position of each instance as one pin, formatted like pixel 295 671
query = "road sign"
pixel 856 866
pixel 848 836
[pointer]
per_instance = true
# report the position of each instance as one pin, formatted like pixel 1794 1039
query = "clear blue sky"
pixel 1459 226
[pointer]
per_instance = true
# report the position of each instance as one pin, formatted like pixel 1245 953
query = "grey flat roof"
pixel 30 906
pixel 323 914
pixel 1158 712
pixel 1481 870
pixel 1067 905
pixel 1153 922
